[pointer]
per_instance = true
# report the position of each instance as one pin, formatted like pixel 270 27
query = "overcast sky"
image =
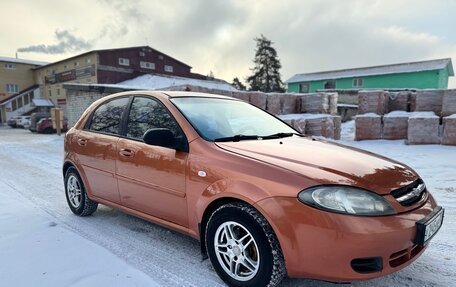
pixel 217 35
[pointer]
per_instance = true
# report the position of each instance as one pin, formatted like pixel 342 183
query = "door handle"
pixel 127 152
pixel 82 142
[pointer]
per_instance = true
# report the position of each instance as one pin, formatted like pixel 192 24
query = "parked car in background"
pixel 264 200
pixel 12 122
pixel 34 118
pixel 23 122
pixel 44 126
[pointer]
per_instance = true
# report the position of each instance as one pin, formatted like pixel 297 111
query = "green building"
pixel 431 74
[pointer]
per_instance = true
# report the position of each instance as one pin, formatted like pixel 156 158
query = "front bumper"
pixel 322 245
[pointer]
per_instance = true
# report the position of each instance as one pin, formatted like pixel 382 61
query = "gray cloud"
pixel 66 42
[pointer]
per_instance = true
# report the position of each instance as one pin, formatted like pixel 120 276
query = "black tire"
pixel 86 206
pixel 271 265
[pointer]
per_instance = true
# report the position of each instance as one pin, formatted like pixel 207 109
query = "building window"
pixel 65 67
pixel 58 92
pixel 88 61
pixel 160 57
pixel 147 65
pixel 124 61
pixel 330 84
pixel 10 66
pixel 168 68
pixel 50 93
pixel 358 82
pixel 12 88
pixel 76 64
pixel 304 88
pixel 142 54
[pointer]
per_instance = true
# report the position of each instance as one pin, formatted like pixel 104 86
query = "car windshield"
pixel 218 119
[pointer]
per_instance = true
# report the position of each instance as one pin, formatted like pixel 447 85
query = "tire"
pixel 77 199
pixel 246 246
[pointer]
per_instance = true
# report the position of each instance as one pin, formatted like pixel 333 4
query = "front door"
pixel 151 179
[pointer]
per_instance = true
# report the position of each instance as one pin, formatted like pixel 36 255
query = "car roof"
pixel 178 94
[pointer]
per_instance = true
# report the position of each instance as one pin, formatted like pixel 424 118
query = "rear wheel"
pixel 77 199
pixel 243 248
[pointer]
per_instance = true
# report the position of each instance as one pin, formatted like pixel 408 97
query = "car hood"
pixel 327 163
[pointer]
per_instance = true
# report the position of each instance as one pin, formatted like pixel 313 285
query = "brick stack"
pixel 337 127
pixel 273 103
pixel 395 125
pixel 429 100
pixel 423 128
pixel 449 130
pixel 288 104
pixel 398 101
pixel 368 127
pixel 315 124
pixel 317 103
pixel 245 96
pixel 258 99
pixel 372 102
pixel 449 103
pixel 333 99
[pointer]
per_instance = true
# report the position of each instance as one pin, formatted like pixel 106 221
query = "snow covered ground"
pixel 43 244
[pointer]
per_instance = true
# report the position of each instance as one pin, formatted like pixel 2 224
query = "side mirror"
pixel 160 136
pixel 165 138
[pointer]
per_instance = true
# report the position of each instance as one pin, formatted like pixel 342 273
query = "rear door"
pixel 152 178
pixel 96 147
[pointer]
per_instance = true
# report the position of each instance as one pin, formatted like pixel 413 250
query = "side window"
pixel 147 113
pixel 108 116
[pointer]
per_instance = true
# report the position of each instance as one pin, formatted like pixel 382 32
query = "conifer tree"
pixel 238 84
pixel 266 75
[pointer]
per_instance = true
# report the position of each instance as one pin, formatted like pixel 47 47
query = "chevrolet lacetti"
pixel 263 200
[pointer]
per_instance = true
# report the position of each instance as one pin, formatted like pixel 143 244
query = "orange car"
pixel 263 200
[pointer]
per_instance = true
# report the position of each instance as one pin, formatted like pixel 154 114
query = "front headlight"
pixel 346 199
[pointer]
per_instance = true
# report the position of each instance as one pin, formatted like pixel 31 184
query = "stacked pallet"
pixel 315 124
pixel 372 102
pixel 333 99
pixel 429 100
pixel 423 128
pixel 449 103
pixel 399 101
pixel 288 104
pixel 449 130
pixel 273 103
pixel 368 127
pixel 316 103
pixel 395 125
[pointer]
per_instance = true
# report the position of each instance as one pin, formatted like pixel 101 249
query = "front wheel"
pixel 78 201
pixel 243 248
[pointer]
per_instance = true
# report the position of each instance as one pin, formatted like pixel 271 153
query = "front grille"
pixel 410 194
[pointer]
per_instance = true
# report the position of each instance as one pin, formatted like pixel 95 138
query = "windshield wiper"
pixel 237 138
pixel 279 135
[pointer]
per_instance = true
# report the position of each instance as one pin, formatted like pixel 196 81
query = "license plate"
pixel 427 227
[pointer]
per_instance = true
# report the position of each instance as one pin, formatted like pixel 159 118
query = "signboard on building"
pixel 70 75
pixel 61 102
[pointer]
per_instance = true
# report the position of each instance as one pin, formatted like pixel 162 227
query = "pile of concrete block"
pixel 400 101
pixel 423 128
pixel 368 127
pixel 324 125
pixel 395 125
pixel 280 104
pixel 449 130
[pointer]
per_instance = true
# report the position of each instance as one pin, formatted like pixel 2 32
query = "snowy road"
pixel 43 243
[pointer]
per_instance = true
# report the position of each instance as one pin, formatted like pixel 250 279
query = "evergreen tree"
pixel 266 75
pixel 238 84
